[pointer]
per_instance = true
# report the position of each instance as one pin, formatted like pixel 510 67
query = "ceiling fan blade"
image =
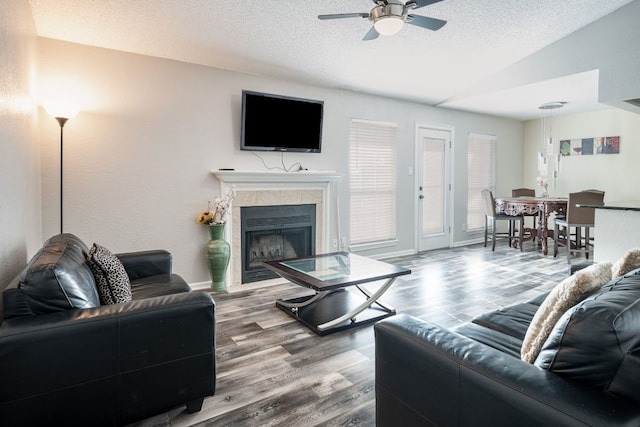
pixel 344 15
pixel 425 22
pixel 422 3
pixel 371 35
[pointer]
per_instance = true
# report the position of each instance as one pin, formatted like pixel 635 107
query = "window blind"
pixel 481 173
pixel 372 170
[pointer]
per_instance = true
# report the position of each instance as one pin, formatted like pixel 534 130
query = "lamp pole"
pixel 61 111
pixel 61 121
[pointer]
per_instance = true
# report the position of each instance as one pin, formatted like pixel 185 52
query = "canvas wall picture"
pixel 589 146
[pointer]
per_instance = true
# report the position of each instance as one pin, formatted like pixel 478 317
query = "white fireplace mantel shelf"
pixel 233 177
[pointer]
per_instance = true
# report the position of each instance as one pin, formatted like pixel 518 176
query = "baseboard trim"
pixel 203 286
pixel 200 286
pixel 468 242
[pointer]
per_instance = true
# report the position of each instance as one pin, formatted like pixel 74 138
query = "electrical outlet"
pixel 335 243
pixel 344 243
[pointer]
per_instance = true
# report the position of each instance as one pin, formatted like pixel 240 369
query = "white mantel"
pixel 256 177
pixel 264 188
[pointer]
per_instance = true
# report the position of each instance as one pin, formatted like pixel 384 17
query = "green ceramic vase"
pixel 217 253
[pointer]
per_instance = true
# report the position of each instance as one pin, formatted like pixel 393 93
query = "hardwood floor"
pixel 271 370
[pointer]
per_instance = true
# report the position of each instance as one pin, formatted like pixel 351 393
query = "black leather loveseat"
pixel 67 360
pixel 588 372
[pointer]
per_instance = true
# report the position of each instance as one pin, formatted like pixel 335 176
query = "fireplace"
pixel 273 188
pixel 274 232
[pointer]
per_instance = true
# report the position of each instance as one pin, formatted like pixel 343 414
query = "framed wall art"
pixel 589 146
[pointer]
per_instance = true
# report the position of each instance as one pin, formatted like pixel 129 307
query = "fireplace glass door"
pixel 270 233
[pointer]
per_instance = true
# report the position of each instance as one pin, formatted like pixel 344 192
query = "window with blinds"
pixel 372 169
pixel 481 172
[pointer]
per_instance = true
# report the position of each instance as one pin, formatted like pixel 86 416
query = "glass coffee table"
pixel 335 306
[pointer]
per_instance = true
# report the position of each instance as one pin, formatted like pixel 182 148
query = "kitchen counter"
pixel 628 205
pixel 617 229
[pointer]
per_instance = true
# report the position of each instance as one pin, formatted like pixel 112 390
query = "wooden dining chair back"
pixel 595 191
pixel 582 219
pixel 492 217
pixel 518 192
pixel 526 192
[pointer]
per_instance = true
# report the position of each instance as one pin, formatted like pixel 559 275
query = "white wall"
pixel 19 146
pixel 616 174
pixel 138 156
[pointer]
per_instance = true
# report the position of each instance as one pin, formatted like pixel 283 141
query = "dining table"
pixel 543 207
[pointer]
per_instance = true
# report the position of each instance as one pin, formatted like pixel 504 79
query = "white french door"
pixel 433 149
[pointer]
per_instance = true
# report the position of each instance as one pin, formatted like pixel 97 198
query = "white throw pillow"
pixel 565 295
pixel 629 262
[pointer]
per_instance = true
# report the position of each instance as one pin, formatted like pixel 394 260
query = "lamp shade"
pixel 60 109
pixel 388 25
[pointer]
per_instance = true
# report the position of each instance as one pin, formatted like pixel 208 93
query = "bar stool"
pixel 579 218
pixel 490 215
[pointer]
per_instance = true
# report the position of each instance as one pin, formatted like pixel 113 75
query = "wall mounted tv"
pixel 280 123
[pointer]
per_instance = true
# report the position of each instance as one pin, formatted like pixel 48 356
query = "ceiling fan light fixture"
pixel 388 25
pixel 552 105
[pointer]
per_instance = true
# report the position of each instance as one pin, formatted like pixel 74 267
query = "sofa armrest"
pixel 146 263
pixel 145 356
pixel 426 374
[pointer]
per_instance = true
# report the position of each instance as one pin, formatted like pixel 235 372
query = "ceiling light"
pixel 549 148
pixel 388 25
pixel 552 105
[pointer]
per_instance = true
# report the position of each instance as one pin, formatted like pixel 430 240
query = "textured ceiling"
pixel 285 39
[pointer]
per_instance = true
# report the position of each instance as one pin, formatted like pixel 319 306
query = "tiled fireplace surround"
pixel 257 188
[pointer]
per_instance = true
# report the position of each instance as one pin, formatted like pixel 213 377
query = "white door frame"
pixel 448 179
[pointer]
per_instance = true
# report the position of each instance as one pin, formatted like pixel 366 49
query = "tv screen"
pixel 280 123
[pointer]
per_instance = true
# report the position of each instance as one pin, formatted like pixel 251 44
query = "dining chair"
pixel 518 192
pixel 491 216
pixel 593 190
pixel 581 219
pixel 527 192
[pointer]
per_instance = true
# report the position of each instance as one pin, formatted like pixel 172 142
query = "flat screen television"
pixel 280 123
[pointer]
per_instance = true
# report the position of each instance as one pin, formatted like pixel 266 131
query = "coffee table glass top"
pixel 335 270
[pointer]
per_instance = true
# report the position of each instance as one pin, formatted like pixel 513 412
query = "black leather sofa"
pixel 66 361
pixel 587 374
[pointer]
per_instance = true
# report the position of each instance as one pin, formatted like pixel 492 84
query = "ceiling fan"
pixel 389 16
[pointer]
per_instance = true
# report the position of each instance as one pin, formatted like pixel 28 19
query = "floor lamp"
pixel 62 112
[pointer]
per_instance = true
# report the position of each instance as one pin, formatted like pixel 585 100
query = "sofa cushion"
pixel 512 320
pixel 629 262
pixel 493 338
pixel 57 278
pixel 158 285
pixel 565 295
pixel 111 278
pixel 72 241
pixel 597 342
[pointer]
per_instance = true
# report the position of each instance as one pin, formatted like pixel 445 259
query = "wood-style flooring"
pixel 273 371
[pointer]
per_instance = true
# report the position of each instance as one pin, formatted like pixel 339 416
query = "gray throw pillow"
pixel 565 295
pixel 111 278
pixel 597 342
